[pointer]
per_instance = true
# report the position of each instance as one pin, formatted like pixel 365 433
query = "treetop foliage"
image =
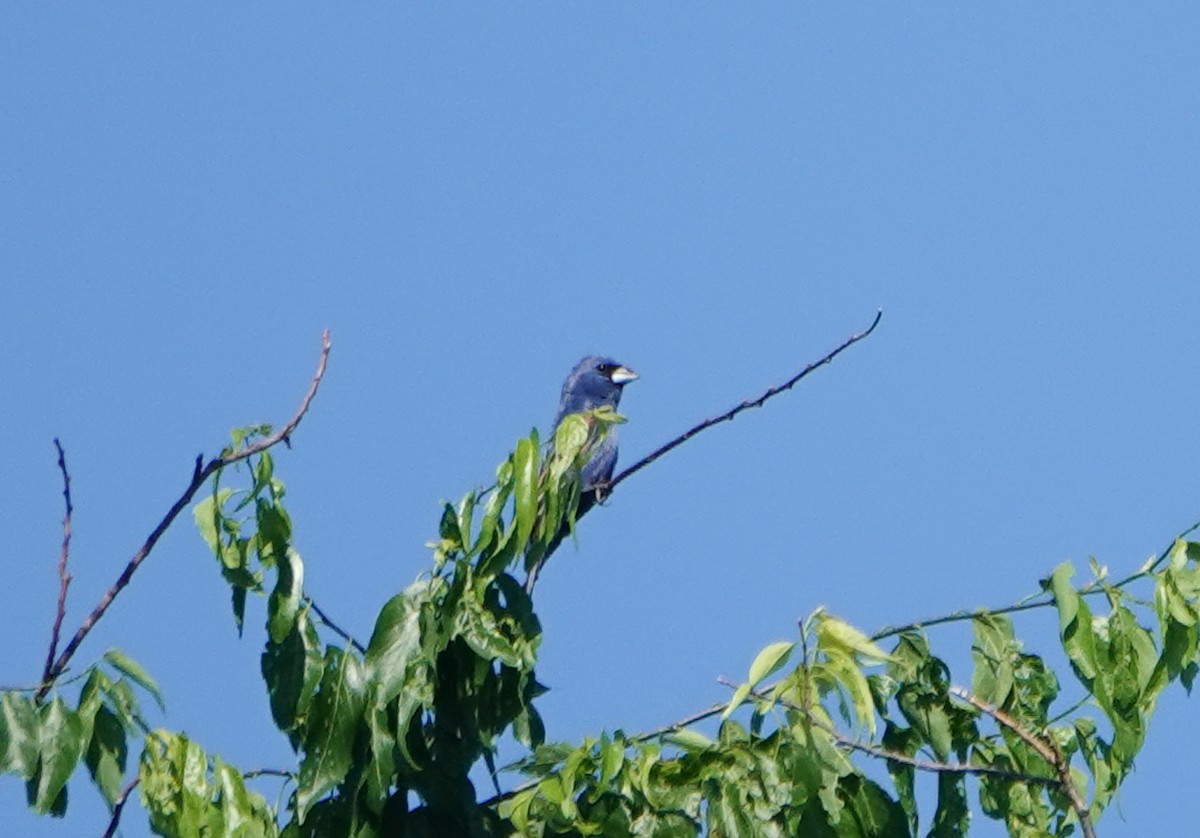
pixel 824 737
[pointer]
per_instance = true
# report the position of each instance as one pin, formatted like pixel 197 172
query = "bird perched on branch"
pixel 596 381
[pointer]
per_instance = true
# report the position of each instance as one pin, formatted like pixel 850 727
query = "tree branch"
pixel 840 738
pixel 199 476
pixel 590 498
pixel 1038 600
pixel 895 756
pixel 119 807
pixel 1046 749
pixel 334 627
pixel 746 405
pixel 64 578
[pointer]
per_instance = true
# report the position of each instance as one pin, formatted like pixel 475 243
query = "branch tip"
pixel 200 473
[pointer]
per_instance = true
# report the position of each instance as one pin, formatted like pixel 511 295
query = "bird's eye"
pixel 605 369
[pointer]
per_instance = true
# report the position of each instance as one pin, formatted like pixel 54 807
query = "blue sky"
pixel 473 197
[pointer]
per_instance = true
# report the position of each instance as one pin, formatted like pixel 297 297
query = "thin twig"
pixel 1046 749
pixel 269 772
pixel 334 627
pixel 1039 600
pixel 841 738
pixel 746 405
pixel 894 756
pixel 930 765
pixel 199 476
pixel 599 493
pixel 64 578
pixel 118 807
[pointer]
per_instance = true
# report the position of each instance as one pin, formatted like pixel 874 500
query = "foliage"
pixel 387 735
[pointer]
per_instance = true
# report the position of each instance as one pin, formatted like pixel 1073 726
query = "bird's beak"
pixel 623 375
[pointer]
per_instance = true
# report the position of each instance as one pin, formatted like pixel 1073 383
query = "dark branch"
pixel 199 476
pixel 64 578
pixel 1038 600
pixel 598 494
pixel 119 807
pixel 840 738
pixel 1045 748
pixel 746 405
pixel 334 627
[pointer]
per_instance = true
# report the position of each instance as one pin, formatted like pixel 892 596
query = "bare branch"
pixel 199 476
pixel 842 740
pixel 1045 748
pixel 64 578
pixel 895 756
pixel 334 627
pixel 746 405
pixel 1038 600
pixel 119 807
pixel 596 495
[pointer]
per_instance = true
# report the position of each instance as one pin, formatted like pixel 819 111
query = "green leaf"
pixel 396 642
pixel 570 437
pixel 243 813
pixel 134 671
pixel 381 764
pixel 207 514
pixel 173 784
pixel 18 735
pixel 739 695
pixel 689 740
pixel 452 537
pixel 292 670
pixel 466 510
pixel 844 669
pixel 993 651
pixel 284 604
pixel 525 471
pixel 953 817
pixel 337 710
pixel 769 661
pixel 60 740
pixel 833 632
pixel 107 753
pixel 1075 623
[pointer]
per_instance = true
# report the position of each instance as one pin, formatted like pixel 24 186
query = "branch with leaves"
pixel 200 475
pixel 389 733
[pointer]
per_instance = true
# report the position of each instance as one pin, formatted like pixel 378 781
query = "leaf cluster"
pixel 389 735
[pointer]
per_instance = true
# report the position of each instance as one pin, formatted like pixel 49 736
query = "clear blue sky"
pixel 472 197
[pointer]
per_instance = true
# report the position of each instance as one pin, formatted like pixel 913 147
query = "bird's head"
pixel 596 381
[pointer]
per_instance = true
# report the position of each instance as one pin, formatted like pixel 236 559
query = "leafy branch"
pixel 388 733
pixel 200 475
pixel 762 399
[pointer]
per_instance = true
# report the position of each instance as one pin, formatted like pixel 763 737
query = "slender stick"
pixel 119 807
pixel 746 405
pixel 1038 600
pixel 64 577
pixel 1047 750
pixel 589 499
pixel 334 627
pixel 200 474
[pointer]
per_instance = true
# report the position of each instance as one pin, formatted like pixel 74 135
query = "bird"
pixel 596 381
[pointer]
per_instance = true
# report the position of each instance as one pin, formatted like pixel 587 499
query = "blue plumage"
pixel 596 381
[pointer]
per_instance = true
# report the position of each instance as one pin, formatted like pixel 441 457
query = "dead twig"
pixel 64 577
pixel 1046 749
pixel 746 405
pixel 200 474
pixel 118 807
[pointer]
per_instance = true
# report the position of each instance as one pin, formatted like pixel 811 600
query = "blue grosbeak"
pixel 596 381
